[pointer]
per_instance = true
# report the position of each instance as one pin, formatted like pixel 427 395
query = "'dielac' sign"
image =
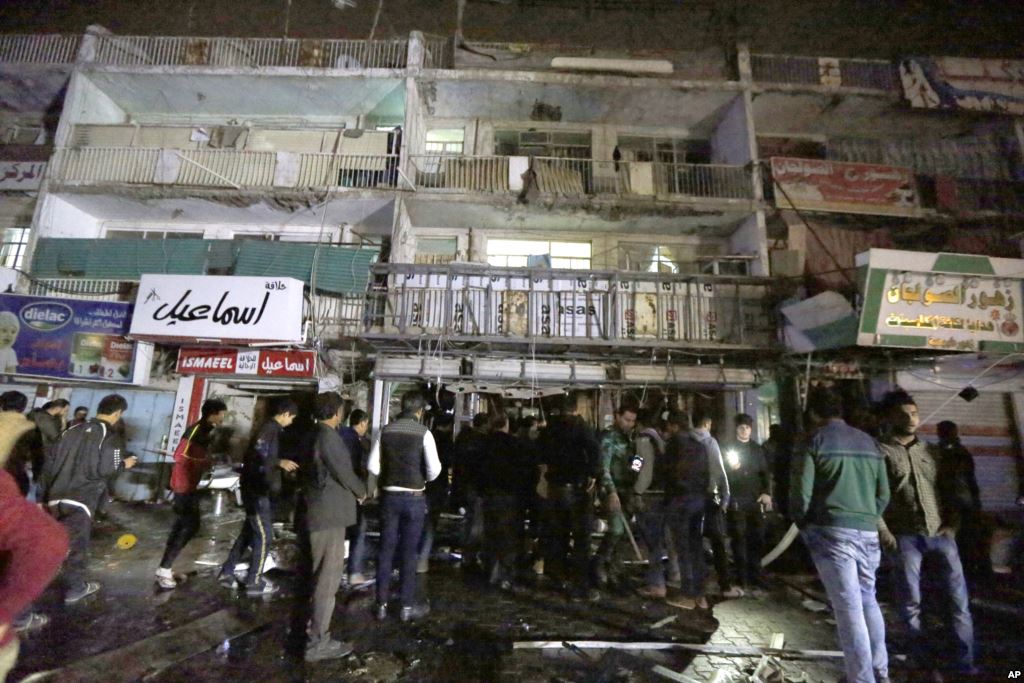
pixel 218 308
pixel 252 362
pixel 65 338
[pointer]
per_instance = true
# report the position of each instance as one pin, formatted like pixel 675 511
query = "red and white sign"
pixel 822 185
pixel 251 362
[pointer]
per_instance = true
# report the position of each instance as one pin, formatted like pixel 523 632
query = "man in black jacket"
pixel 74 479
pixel 332 489
pixel 750 488
pixel 261 480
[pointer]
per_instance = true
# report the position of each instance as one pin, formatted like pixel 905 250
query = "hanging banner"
pixel 21 175
pixel 65 338
pixel 953 302
pixel 991 85
pixel 252 362
pixel 822 185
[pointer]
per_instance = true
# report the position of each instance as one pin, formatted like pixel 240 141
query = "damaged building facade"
pixel 501 219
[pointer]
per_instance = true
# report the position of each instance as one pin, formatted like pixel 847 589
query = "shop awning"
pixel 340 270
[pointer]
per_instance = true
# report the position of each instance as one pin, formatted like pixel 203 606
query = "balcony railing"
pixel 251 52
pixel 224 168
pixel 438 53
pixel 869 74
pixel 39 49
pixel 579 177
pixel 466 303
pixel 79 288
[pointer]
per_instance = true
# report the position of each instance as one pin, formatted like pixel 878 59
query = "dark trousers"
pixel 652 529
pixel 186 524
pixel 685 518
pixel 401 520
pixel 434 506
pixel 715 531
pixel 503 523
pixel 78 523
pixel 571 520
pixel 327 552
pixel 746 532
pixel 473 528
pixel 357 543
pixel 615 539
pixel 257 533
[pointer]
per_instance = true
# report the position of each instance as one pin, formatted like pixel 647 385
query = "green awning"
pixel 340 270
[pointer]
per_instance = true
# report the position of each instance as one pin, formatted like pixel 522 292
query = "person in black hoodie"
pixel 750 488
pixel 73 480
pixel 261 480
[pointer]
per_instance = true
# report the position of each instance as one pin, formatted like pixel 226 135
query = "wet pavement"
pixel 130 631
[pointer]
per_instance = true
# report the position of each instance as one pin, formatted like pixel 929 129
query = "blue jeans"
pixel 357 543
pixel 685 518
pixel 847 560
pixel 401 522
pixel 912 549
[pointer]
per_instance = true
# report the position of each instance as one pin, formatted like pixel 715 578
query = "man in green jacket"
pixel 617 479
pixel 839 490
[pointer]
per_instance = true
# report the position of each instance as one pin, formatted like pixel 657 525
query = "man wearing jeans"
pixel 404 458
pixel 839 490
pixel 921 521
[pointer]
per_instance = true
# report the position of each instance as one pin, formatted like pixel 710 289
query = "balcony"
pixel 223 168
pixel 468 303
pixel 250 52
pixel 830 72
pixel 580 177
pixel 39 49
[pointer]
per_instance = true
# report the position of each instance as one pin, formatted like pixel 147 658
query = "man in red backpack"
pixel 191 462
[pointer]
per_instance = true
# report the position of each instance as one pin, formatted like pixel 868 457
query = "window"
pixel 13 248
pixel 436 249
pixel 445 141
pixel 536 253
pixel 664 150
pixel 541 143
pixel 329 236
pixel 153 234
pixel 651 258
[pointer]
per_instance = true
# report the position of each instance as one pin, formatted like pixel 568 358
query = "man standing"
pixel 717 502
pixel 404 458
pixel 191 462
pixel 974 536
pixel 571 458
pixel 617 480
pixel 75 478
pixel 261 480
pixel 750 489
pixel 49 421
pixel 839 490
pixel 466 458
pixel 354 436
pixel 922 520
pixel 80 416
pixel 332 492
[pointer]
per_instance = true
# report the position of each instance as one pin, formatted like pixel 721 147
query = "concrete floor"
pixel 202 632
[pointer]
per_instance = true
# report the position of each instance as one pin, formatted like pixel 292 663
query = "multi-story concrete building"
pixel 505 219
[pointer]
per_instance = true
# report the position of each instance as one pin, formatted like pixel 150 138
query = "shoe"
pixel 261 589
pixel 702 603
pixel 734 592
pixel 414 612
pixel 652 592
pixel 328 649
pixel 585 595
pixel 423 566
pixel 682 602
pixel 228 581
pixel 32 621
pixel 356 580
pixel 505 586
pixel 85 591
pixel 381 611
pixel 165 579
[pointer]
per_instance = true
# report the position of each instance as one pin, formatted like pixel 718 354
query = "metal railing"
pixel 39 49
pixel 524 305
pixel 438 53
pixel 223 168
pixel 76 288
pixel 466 174
pixel 870 74
pixel 338 316
pixel 251 52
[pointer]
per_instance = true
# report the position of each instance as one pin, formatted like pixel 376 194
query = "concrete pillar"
pixel 414 59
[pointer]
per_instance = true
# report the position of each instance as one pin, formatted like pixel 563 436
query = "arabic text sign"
pixel 21 175
pixel 218 308
pixel 65 338
pixel 821 185
pixel 963 83
pixel 260 363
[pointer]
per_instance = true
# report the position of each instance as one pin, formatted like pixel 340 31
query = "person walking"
pixel 404 458
pixel 354 436
pixel 717 502
pixel 617 480
pixel 838 493
pixel 261 481
pixel 332 491
pixel 750 489
pixel 191 462
pixel 922 521
pixel 73 480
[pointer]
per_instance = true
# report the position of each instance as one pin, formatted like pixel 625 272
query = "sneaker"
pixel 702 603
pixel 423 566
pixel 414 612
pixel 734 592
pixel 31 622
pixel 328 649
pixel 228 581
pixel 85 591
pixel 261 589
pixel 380 610
pixel 652 592
pixel 165 579
pixel 585 595
pixel 356 580
pixel 682 602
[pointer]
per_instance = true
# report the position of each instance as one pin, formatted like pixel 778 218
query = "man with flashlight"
pixel 751 489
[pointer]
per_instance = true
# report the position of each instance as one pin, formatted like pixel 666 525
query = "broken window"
pixel 436 249
pixel 538 254
pixel 541 143
pixel 654 258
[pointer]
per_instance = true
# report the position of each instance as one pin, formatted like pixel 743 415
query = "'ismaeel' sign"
pixel 218 308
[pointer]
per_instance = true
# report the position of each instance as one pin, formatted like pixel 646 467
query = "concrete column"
pixel 414 59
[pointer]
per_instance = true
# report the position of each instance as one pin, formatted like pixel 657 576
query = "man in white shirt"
pixel 404 458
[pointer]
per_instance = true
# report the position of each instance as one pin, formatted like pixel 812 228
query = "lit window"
pixel 13 248
pixel 537 253
pixel 445 141
pixel 650 258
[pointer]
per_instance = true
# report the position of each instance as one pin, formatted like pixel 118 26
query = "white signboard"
pixel 21 175
pixel 218 308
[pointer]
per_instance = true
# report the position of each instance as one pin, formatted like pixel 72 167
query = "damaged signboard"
pixel 824 185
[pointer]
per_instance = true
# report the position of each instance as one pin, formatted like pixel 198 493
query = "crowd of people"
pixel 531 493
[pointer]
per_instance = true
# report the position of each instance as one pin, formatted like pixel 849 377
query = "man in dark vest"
pixel 404 458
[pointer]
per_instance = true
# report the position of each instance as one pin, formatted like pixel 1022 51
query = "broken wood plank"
pixel 718 650
pixel 664 622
